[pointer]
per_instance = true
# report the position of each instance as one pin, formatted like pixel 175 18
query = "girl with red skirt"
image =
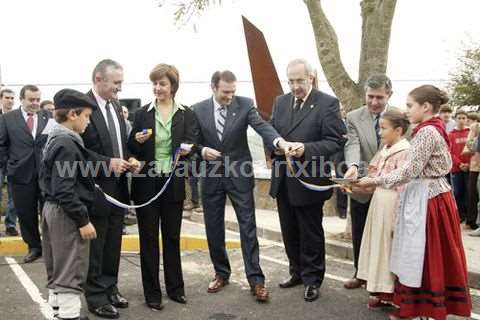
pixel 427 258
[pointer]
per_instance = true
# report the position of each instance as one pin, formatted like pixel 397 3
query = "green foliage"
pixel 189 8
pixel 464 84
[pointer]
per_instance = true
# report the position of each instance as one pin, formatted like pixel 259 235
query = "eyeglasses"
pixel 296 81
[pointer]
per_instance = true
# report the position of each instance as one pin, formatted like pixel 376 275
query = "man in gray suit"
pixel 223 121
pixel 363 142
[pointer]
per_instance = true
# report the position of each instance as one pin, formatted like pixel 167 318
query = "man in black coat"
pixel 106 138
pixel 312 118
pixel 21 143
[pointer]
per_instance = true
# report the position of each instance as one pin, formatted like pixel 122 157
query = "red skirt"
pixel 444 284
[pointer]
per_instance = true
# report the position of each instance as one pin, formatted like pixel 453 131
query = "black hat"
pixel 69 98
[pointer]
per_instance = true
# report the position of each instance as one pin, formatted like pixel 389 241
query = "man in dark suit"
pixel 21 144
pixel 106 137
pixel 312 118
pixel 223 121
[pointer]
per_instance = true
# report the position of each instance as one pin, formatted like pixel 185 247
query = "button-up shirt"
pixel 35 121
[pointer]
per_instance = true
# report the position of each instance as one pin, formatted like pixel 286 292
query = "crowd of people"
pixel 408 249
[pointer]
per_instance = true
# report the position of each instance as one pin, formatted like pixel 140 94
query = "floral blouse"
pixel 429 158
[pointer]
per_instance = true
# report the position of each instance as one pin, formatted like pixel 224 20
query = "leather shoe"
pixel 107 311
pixel 155 305
pixel 11 232
pixel 311 293
pixel 217 284
pixel 290 283
pixel 33 254
pixel 260 292
pixel 180 299
pixel 354 283
pixel 118 301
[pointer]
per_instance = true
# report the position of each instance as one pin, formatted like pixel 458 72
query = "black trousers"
pixel 472 210
pixel 359 213
pixel 303 237
pixel 166 215
pixel 104 257
pixel 214 215
pixel 26 198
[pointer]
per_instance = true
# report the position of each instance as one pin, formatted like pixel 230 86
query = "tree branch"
pixel 329 56
pixel 377 17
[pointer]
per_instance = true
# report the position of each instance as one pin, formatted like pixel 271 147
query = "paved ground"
pixel 234 303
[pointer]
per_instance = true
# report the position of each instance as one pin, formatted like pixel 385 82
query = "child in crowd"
pixel 374 260
pixel 461 162
pixel 474 169
pixel 69 194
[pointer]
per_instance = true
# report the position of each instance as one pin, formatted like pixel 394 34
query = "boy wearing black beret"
pixel 69 192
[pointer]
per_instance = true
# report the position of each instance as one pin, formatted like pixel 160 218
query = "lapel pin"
pixel 233 114
pixel 311 107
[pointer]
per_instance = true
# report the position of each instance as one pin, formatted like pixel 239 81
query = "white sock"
pixel 70 305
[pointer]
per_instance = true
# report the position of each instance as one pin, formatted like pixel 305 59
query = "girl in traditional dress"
pixel 427 258
pixel 374 260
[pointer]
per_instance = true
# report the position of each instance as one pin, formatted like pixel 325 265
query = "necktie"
pixel 222 116
pixel 112 131
pixel 296 109
pixel 30 121
pixel 377 128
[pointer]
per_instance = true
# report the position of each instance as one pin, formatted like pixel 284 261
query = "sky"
pixel 56 43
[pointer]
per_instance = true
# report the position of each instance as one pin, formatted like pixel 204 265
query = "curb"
pixel 335 248
pixel 16 246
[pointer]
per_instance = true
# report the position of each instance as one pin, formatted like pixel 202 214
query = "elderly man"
pixel 363 131
pixel 312 118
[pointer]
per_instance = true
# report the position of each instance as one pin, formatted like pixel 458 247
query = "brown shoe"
pixel 354 283
pixel 217 284
pixel 260 292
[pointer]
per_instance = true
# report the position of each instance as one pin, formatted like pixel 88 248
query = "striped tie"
pixel 222 116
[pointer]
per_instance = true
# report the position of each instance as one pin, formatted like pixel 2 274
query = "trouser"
pixel 303 237
pixel 166 215
pixel 104 258
pixel 26 198
pixel 214 215
pixel 359 213
pixel 66 260
pixel 460 187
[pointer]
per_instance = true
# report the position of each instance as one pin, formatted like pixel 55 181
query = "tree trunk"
pixel 377 18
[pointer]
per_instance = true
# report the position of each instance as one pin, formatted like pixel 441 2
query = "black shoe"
pixel 33 254
pixel 311 293
pixel 11 232
pixel 180 299
pixel 290 282
pixel 107 311
pixel 155 305
pixel 118 301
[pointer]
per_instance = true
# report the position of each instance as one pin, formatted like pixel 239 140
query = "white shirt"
pixel 304 99
pixel 35 121
pixel 101 104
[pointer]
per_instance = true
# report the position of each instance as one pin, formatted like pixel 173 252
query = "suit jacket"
pixel 236 161
pixel 319 126
pixel 184 129
pixel 20 153
pixel 361 145
pixel 97 140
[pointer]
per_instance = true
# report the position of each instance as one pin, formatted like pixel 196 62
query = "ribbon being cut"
pixel 341 183
pixel 176 159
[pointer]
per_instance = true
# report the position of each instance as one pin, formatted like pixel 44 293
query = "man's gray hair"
pixel 305 63
pixel 378 81
pixel 102 66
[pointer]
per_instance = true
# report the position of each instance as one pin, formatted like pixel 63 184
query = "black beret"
pixel 69 98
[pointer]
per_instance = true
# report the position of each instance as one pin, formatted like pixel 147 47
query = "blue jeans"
pixel 460 187
pixel 11 214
